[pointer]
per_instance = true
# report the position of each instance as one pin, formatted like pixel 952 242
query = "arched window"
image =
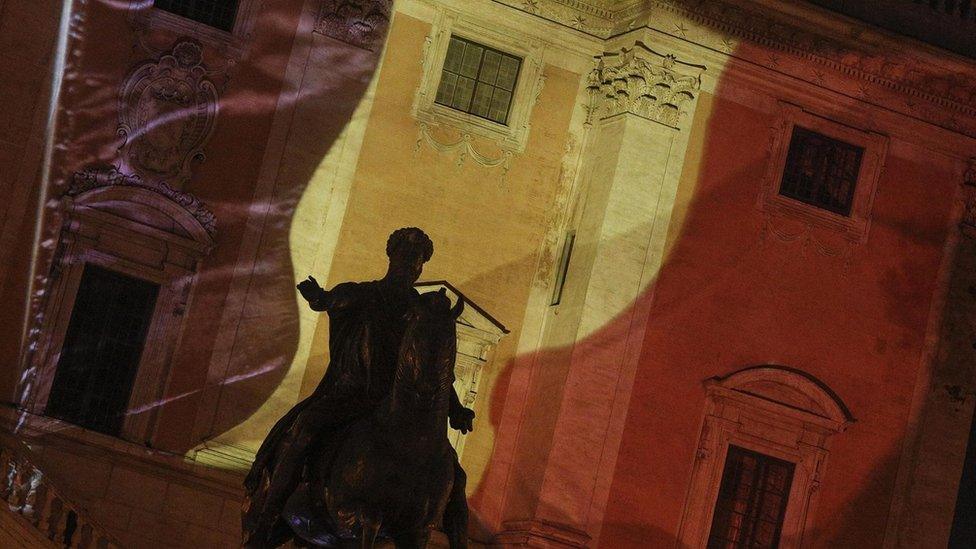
pixel 122 275
pixel 761 454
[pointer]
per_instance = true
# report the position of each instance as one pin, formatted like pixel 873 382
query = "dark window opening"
pixel 478 80
pixel 751 501
pixel 219 14
pixel 821 171
pixel 963 532
pixel 101 350
pixel 567 254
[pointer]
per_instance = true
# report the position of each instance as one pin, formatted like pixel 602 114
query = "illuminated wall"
pixel 655 133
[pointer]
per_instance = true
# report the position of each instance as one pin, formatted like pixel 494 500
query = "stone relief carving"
pixel 167 112
pixel 970 177
pixel 362 23
pixel 108 176
pixel 641 81
pixel 941 93
pixel 969 213
pixel 465 149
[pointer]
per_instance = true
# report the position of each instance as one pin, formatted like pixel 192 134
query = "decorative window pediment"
pixel 141 234
pixel 770 410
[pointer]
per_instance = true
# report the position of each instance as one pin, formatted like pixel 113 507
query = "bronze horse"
pixel 394 473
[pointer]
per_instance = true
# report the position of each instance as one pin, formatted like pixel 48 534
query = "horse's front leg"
pixel 412 540
pixel 456 511
pixel 367 538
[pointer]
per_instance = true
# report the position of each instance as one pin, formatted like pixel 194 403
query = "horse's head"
pixel 425 371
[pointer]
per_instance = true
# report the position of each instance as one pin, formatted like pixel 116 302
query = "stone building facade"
pixel 701 241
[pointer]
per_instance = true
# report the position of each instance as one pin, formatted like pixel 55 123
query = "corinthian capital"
pixel 640 81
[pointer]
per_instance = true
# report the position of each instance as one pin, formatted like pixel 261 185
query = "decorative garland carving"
pixel 362 23
pixel 806 237
pixel 95 177
pixel 167 113
pixel 641 81
pixel 466 148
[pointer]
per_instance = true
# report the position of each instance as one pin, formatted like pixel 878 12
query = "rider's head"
pixel 408 249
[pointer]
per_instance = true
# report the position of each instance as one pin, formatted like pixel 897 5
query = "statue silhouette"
pixel 368 321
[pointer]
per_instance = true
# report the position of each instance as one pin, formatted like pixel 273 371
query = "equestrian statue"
pixel 366 456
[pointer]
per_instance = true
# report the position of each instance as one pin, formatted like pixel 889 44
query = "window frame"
pixel 94 233
pixel 512 136
pixel 148 17
pixel 760 457
pixel 233 21
pixel 774 411
pixel 853 227
pixel 508 110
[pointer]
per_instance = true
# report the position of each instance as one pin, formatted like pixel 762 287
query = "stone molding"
pixel 361 23
pixel 640 81
pixel 918 82
pixel 537 533
pixel 167 113
pixel 512 136
pixel 854 227
pixel 109 176
pixel 232 46
pixel 777 411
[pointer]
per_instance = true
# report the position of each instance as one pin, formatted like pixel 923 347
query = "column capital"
pixel 641 81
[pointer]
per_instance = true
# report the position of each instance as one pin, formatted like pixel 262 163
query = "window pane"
pixel 482 100
pixel 752 501
pixel 445 92
pixel 216 13
pixel 454 53
pixel 471 60
pixel 507 73
pixel 499 105
pixel 489 69
pixel 462 96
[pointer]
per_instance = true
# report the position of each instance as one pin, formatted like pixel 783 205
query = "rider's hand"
pixel 463 420
pixel 310 289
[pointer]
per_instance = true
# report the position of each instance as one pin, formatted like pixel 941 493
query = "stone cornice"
pixel 803 41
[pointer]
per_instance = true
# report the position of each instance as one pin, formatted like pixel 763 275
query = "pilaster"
pixel 639 105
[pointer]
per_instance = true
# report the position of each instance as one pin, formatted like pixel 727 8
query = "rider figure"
pixel 367 322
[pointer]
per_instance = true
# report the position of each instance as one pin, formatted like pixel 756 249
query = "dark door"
pixel 101 351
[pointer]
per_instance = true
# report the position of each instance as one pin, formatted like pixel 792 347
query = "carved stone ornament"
pixel 968 224
pixel 362 23
pixel 167 112
pixel 108 176
pixel 641 81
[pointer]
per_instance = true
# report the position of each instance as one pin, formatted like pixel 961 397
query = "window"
pixel 751 500
pixel 219 14
pixel 101 350
pixel 478 80
pixel 821 171
pixel 557 291
pixel 124 271
pixel 963 533
pixel 765 439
